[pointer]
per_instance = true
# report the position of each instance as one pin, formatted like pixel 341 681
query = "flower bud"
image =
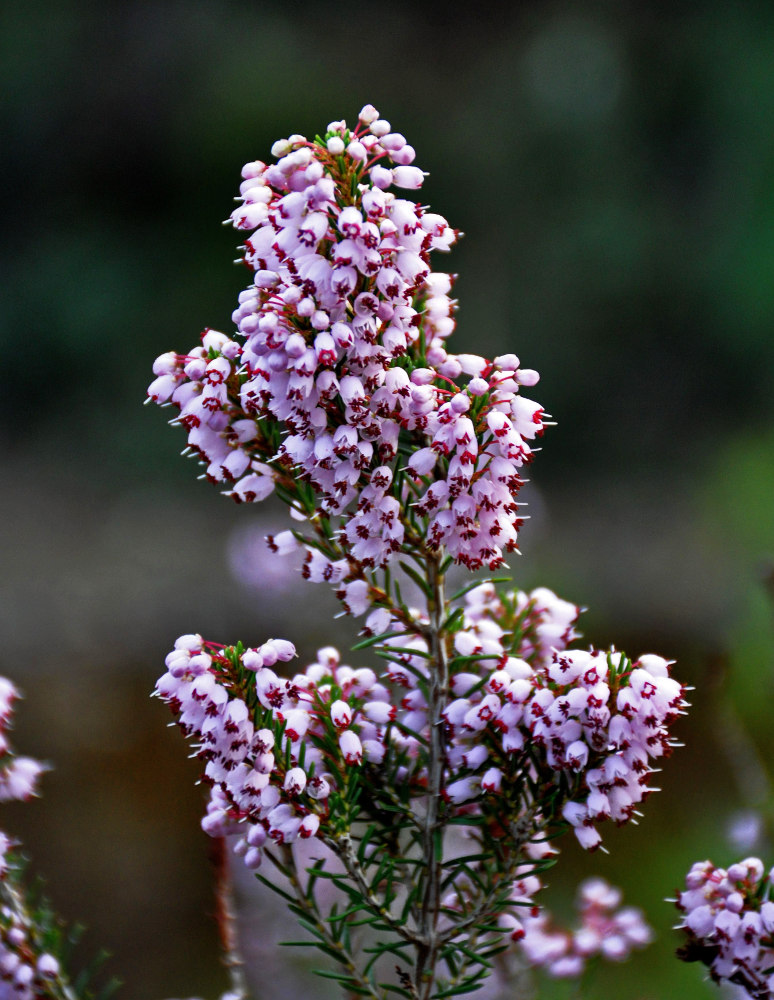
pixel 368 114
pixel 351 747
pixel 411 178
pixel 341 714
pixel 357 151
pixel 295 781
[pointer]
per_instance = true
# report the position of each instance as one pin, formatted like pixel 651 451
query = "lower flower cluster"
pixel 283 755
pixel 276 749
pixel 729 922
pixel 605 930
pixel 595 718
pixel 26 972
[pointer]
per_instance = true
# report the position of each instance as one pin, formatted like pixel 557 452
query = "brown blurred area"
pixel 612 167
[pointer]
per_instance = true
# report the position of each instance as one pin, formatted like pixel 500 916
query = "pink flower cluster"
pixel 341 359
pixel 18 775
pixel 26 971
pixel 605 929
pixel 729 921
pixel 276 747
pixel 339 393
pixel 596 717
pixel 269 776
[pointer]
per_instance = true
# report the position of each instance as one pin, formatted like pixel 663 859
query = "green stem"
pixel 438 686
pixel 343 847
pixel 309 906
pixel 487 907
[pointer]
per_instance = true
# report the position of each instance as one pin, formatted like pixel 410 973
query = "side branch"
pixel 485 908
pixel 332 945
pixel 344 849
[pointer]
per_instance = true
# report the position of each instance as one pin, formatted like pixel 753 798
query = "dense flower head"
pixel 728 919
pixel 338 389
pixel 281 753
pixel 596 718
pixel 275 749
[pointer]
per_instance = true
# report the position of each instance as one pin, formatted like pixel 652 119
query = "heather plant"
pixel 36 948
pixel 406 814
pixel 728 921
pixel 727 914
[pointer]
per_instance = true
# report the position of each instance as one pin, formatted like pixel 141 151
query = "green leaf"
pixel 331 876
pixel 387 947
pixel 466 859
pixel 399 598
pixel 445 564
pixel 362 990
pixel 409 651
pixel 418 579
pixel 410 900
pixel 308 925
pixel 365 842
pixel 410 732
pixel 466 986
pixel 109 989
pixel 473 875
pixel 477 583
pixel 347 888
pixel 375 639
pixel 384 871
pixel 384 654
pixel 495 950
pixel 379 951
pixel 334 953
pixel 353 786
pixel 280 892
pixel 467 820
pixel 474 658
pixel 339 977
pixel 490 928
pixel 87 974
pixel 454 620
pixel 334 918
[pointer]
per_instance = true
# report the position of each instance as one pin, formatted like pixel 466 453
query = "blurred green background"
pixel 612 167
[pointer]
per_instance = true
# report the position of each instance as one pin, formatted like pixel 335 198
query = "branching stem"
pixel 308 904
pixel 438 685
pixel 486 908
pixel 344 849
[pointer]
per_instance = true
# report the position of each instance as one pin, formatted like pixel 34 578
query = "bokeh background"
pixel 612 167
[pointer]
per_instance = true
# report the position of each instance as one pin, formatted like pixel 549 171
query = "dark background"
pixel 612 167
